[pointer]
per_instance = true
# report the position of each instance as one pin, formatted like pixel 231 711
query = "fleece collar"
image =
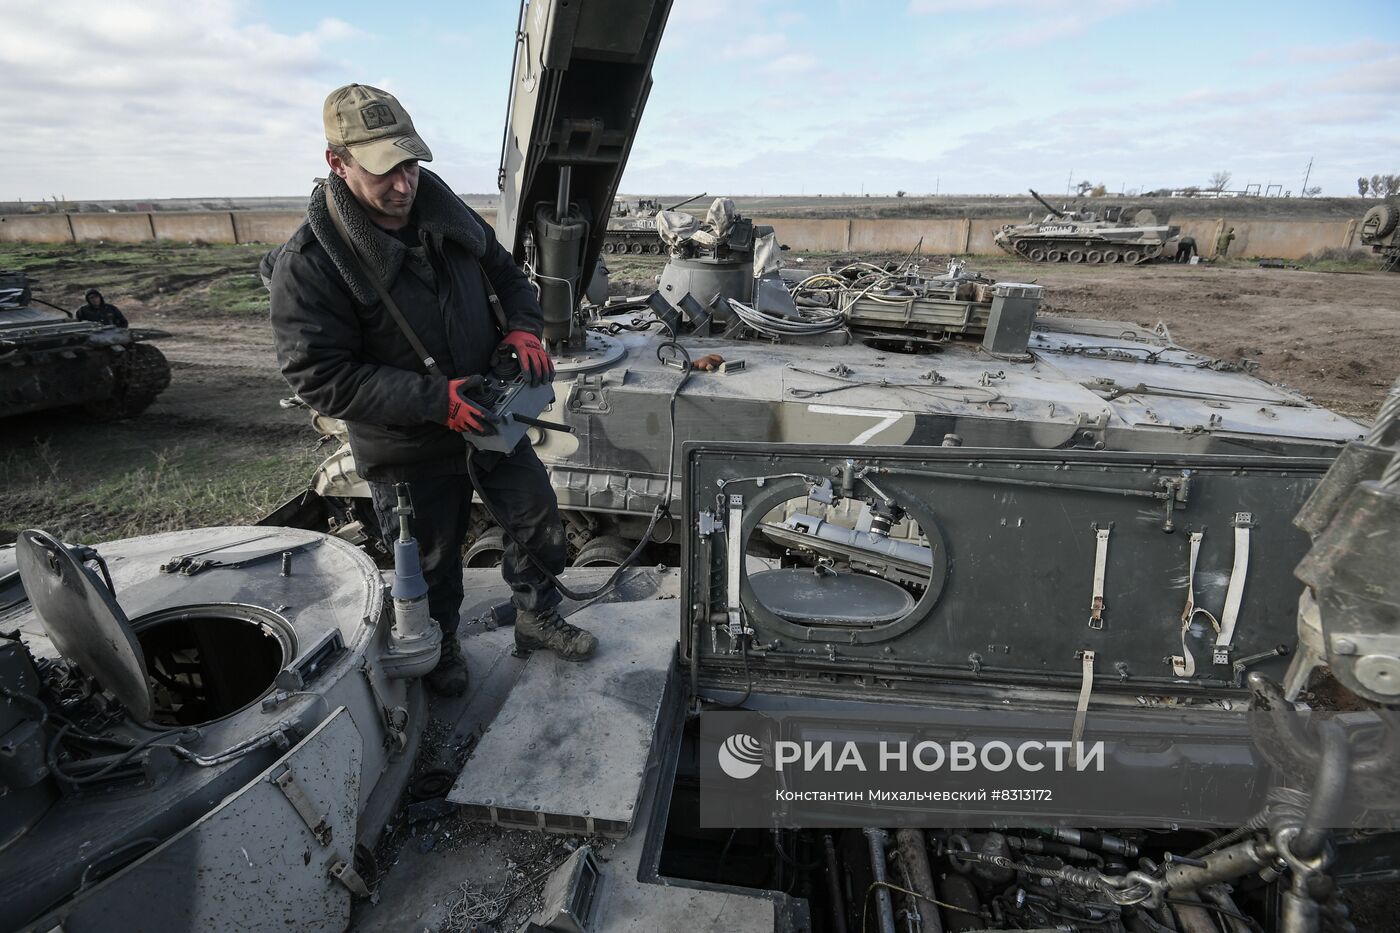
pixel 436 211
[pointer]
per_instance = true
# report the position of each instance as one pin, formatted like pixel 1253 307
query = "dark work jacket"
pixel 104 314
pixel 342 353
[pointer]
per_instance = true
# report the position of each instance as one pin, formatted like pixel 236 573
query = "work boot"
pixel 449 677
pixel 547 629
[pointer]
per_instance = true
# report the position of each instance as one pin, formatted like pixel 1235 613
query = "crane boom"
pixel 580 83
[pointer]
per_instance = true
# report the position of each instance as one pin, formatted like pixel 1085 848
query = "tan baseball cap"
pixel 373 125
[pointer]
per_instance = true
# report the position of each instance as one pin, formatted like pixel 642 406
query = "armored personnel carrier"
pixel 1104 236
pixel 48 360
pixel 633 229
pixel 1380 230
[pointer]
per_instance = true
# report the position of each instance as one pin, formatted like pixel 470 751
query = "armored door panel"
pixel 1175 572
pixel 265 857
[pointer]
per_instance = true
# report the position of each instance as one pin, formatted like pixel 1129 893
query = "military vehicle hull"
pixel 1083 385
pixel 1080 242
pixel 216 746
pixel 1092 236
pixel 50 361
pixel 634 235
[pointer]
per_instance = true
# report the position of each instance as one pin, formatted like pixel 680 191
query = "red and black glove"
pixel 534 358
pixel 463 414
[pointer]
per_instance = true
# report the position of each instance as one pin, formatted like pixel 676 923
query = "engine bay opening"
pixel 204 663
pixel 951 879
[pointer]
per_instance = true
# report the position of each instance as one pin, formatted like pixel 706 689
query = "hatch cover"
pixel 83 619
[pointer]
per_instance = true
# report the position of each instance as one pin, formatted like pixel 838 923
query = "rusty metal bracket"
pixel 345 873
pixel 286 782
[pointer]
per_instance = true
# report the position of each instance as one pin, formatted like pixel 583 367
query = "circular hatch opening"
pixel 207 662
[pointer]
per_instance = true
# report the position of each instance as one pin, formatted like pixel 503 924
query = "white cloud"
pixel 126 98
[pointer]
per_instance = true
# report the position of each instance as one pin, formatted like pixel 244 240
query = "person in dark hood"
pixel 410 242
pixel 96 310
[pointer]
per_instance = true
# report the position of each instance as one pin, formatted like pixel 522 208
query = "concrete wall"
pixel 35 228
pixel 114 228
pixel 194 226
pixel 265 226
pixel 1281 239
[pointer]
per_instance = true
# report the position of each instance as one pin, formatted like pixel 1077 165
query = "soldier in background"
pixel 1222 243
pixel 97 310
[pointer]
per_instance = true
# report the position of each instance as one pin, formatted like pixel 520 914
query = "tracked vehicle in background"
pixel 1111 235
pixel 48 360
pixel 632 229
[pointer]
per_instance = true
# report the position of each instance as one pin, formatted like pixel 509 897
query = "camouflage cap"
pixel 373 125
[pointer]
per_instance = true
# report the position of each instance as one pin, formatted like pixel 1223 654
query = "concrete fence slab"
pixel 35 228
pixel 112 228
pixel 265 226
pixel 194 226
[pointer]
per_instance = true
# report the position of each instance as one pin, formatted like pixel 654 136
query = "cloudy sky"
pixel 188 98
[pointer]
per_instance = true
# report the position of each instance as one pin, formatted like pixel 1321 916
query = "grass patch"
pixel 174 487
pixel 238 295
pixel 211 279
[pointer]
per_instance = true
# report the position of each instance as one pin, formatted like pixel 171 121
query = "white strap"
pixel 1234 594
pixel 1081 709
pixel 1184 664
pixel 1096 605
pixel 735 566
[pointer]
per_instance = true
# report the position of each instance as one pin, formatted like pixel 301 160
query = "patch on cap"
pixel 377 115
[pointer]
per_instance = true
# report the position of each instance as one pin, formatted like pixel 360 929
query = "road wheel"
pixel 141 372
pixel 656 249
pixel 635 248
pixel 604 551
pixel 609 246
pixel 1075 255
pixel 1094 256
pixel 1132 257
pixel 488 550
pixel 1036 255
pixel 1054 256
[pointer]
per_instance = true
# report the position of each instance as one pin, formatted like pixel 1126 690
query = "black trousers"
pixel 518 488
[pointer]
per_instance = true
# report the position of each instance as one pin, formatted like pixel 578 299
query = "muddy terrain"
pixel 218 448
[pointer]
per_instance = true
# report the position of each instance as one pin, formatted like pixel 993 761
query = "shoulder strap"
pixel 393 309
pixel 492 298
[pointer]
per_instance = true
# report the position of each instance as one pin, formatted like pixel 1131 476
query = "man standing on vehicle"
pixel 415 247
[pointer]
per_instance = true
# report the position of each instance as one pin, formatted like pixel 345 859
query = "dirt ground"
pixel 218 448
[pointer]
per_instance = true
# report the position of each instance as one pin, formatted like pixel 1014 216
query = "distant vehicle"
pixel 632 229
pixel 1113 234
pixel 1380 230
pixel 48 360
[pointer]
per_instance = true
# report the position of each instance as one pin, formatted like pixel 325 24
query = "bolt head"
pixel 1344 646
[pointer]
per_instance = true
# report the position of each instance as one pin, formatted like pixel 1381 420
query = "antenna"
pixel 1306 176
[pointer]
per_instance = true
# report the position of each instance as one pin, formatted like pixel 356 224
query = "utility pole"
pixel 1306 176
